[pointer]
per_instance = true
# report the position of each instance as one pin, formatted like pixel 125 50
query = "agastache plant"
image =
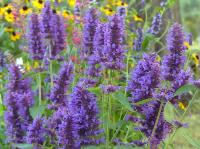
pixel 58 35
pixel 90 23
pixel 145 79
pixel 36 133
pixel 36 47
pixel 113 43
pixel 83 103
pixel 61 83
pixel 19 98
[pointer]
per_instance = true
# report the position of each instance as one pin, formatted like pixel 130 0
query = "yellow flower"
pixel 36 64
pixel 66 14
pixel 121 4
pixel 27 66
pixel 39 4
pixel 15 36
pixel 158 58
pixel 1 11
pixel 71 3
pixel 195 58
pixel 7 6
pixel 137 18
pixel 8 29
pixel 25 10
pixel 9 16
pixel 181 105
pixel 107 10
pixel 186 44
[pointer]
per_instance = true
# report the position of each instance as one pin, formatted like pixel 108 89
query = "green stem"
pixel 156 123
pixel 40 88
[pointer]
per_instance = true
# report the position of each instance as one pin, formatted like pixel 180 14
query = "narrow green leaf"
pixel 144 101
pixel 184 89
pixel 191 140
pixel 24 146
pixel 119 96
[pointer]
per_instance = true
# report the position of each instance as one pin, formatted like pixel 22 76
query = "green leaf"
pixel 144 101
pixel 95 90
pixel 191 140
pixel 184 89
pixel 37 110
pixel 24 146
pixel 119 96
pixel 1 110
pixel 169 114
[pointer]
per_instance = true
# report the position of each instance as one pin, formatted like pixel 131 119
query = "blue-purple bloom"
pixel 144 78
pixel 46 23
pixel 173 63
pixel 138 41
pixel 36 47
pixel 67 133
pixel 84 104
pixel 90 23
pixel 58 35
pixel 36 133
pixel 113 43
pixel 18 100
pixel 156 24
pixel 61 83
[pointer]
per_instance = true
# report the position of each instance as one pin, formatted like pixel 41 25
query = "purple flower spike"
pixel 156 24
pixel 46 20
pixel 36 132
pixel 61 83
pixel 145 78
pixel 90 23
pixel 83 103
pixel 175 39
pixel 18 100
pixel 113 41
pixel 58 34
pixel 35 41
pixel 68 137
pixel 173 63
pixel 138 41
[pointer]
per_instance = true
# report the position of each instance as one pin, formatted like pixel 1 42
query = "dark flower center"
pixel 13 33
pixel 40 1
pixel 54 11
pixel 25 8
pixel 9 11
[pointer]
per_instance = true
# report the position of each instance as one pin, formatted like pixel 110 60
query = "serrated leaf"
pixel 169 114
pixel 184 89
pixel 24 146
pixel 37 110
pixel 119 96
